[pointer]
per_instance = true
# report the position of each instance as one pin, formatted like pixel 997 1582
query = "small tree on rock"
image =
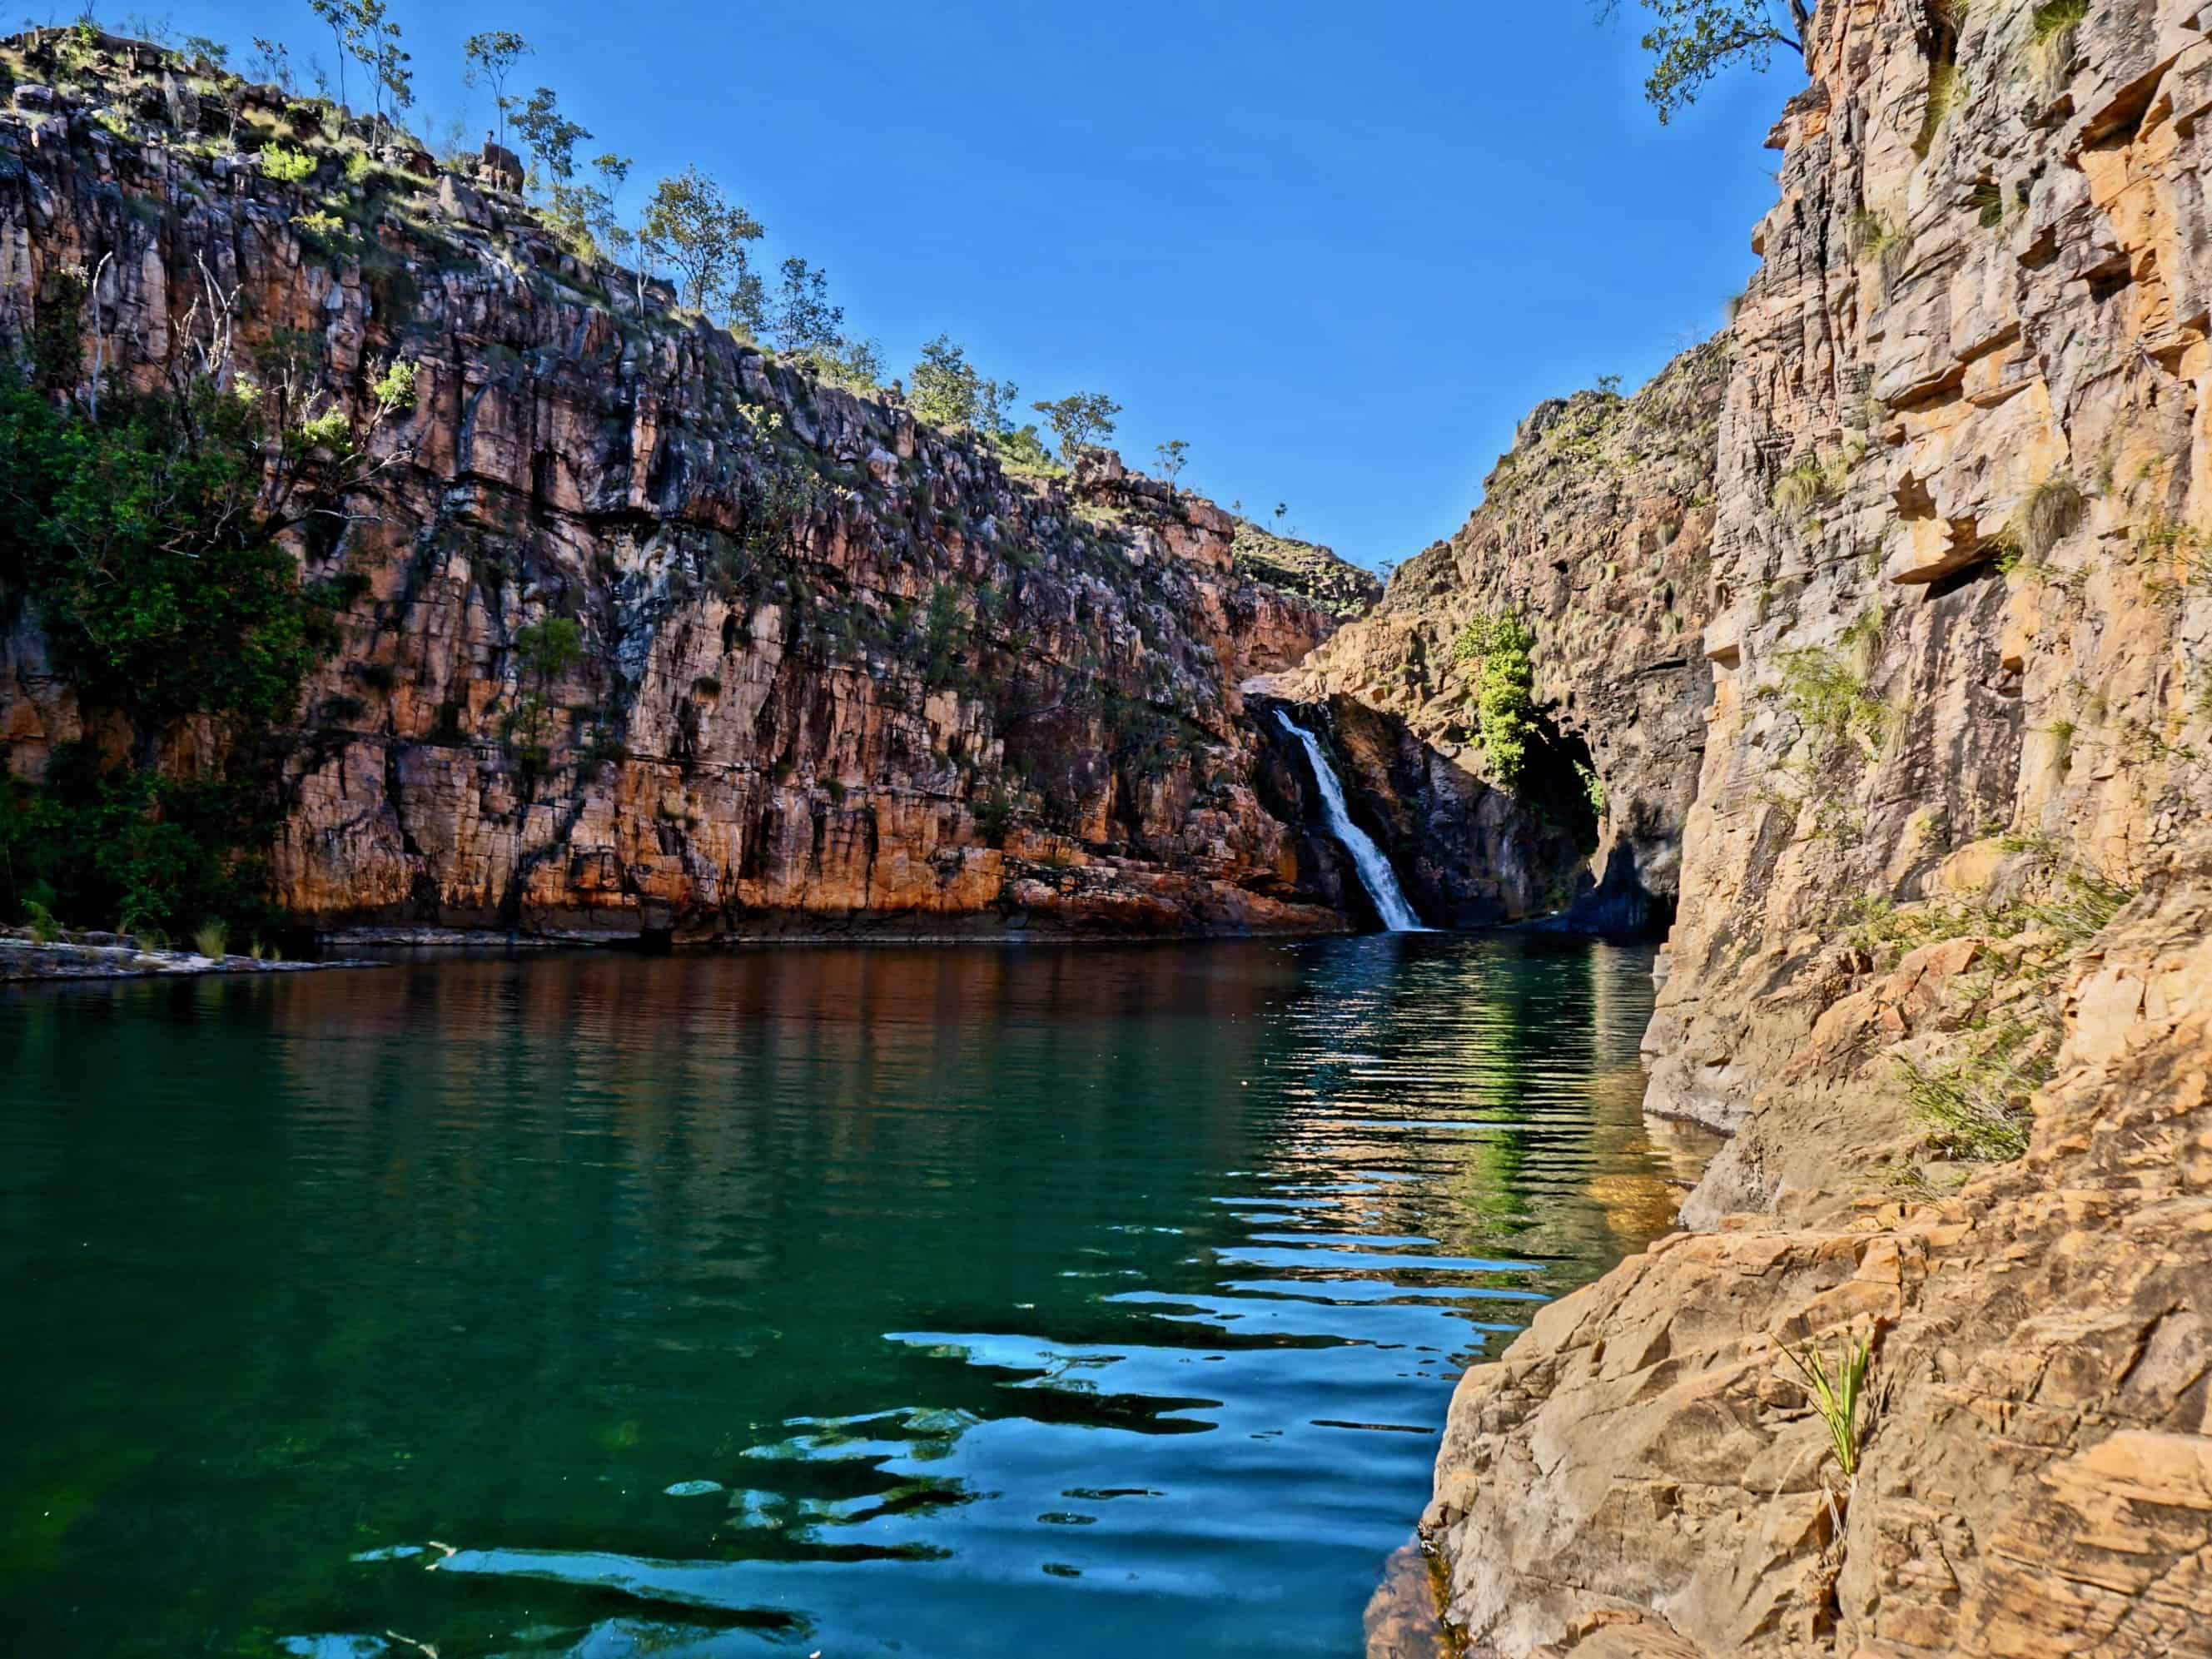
pixel 1081 420
pixel 944 390
pixel 491 57
pixel 1693 40
pixel 803 319
pixel 691 224
pixel 550 137
pixel 1174 455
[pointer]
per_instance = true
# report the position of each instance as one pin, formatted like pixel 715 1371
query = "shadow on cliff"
pixel 1467 853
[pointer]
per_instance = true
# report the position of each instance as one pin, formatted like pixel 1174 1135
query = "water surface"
pixel 1079 1300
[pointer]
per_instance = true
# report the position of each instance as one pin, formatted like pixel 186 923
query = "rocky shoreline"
pixel 25 958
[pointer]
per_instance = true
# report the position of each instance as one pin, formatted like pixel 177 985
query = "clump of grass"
pixel 1836 1393
pixel 1987 201
pixel 290 165
pixel 1830 699
pixel 2080 908
pixel 1975 1106
pixel 1811 483
pixel 1946 89
pixel 212 938
pixel 2054 37
pixel 45 930
pixel 2050 512
pixel 2054 17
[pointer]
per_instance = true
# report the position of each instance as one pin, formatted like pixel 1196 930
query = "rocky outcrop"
pixel 837 668
pixel 1596 531
pixel 1297 567
pixel 1959 653
pixel 2036 1477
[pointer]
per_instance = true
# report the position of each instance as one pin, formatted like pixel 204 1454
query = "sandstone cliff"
pixel 1596 531
pixel 836 668
pixel 1940 959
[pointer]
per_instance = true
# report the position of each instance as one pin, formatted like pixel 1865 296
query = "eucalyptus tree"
pixel 1693 40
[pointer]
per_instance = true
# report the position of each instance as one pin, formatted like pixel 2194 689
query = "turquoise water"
pixel 1078 1300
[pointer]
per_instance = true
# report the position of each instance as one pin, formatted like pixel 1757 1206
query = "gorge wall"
pixel 1596 531
pixel 1940 959
pixel 837 668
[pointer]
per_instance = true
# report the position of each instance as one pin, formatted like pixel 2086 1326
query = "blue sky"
pixel 1339 250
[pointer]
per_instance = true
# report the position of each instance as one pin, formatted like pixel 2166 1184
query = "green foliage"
pixel 2054 17
pixel 394 389
pixel 1023 451
pixel 1593 789
pixel 290 165
pixel 548 647
pixel 1811 483
pixel 1079 421
pixel 690 224
pixel 1693 40
pixel 857 365
pixel 1830 700
pixel 1836 1393
pixel 491 57
pixel 945 629
pixel 138 537
pixel 212 939
pixel 1947 88
pixel 1504 703
pixel 802 319
pixel 116 845
pixel 327 226
pixel 994 816
pixel 1174 455
pixel 944 388
pixel 550 137
pixel 1975 1106
pixel 584 213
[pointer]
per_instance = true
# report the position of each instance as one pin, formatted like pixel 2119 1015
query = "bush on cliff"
pixel 1504 692
pixel 147 530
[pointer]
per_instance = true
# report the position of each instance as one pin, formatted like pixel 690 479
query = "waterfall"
pixel 1375 872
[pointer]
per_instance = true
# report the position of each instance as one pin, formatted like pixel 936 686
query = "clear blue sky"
pixel 1340 250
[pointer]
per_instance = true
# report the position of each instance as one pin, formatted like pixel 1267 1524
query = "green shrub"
pixel 1505 701
pixel 1977 1106
pixel 1836 1394
pixel 1593 789
pixel 548 647
pixel 1831 701
pixel 212 938
pixel 290 165
pixel 945 630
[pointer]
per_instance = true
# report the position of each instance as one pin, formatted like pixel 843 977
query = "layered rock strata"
pixel 837 668
pixel 1596 531
pixel 1941 960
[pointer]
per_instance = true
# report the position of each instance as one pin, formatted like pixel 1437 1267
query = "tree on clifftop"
pixel 1693 40
pixel 1081 421
pixel 491 57
pixel 691 224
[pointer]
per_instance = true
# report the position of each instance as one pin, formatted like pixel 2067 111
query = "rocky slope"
pixel 1941 956
pixel 838 669
pixel 1595 529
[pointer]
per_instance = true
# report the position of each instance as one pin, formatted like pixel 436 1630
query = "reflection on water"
pixel 1104 1300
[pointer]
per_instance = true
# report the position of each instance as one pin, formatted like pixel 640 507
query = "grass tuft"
pixel 1836 1393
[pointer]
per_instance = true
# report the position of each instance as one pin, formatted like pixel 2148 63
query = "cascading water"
pixel 1375 872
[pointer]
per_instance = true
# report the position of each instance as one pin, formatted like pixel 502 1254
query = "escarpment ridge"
pixel 640 630
pixel 1939 957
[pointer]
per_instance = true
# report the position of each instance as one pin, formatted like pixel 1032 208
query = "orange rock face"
pixel 837 670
